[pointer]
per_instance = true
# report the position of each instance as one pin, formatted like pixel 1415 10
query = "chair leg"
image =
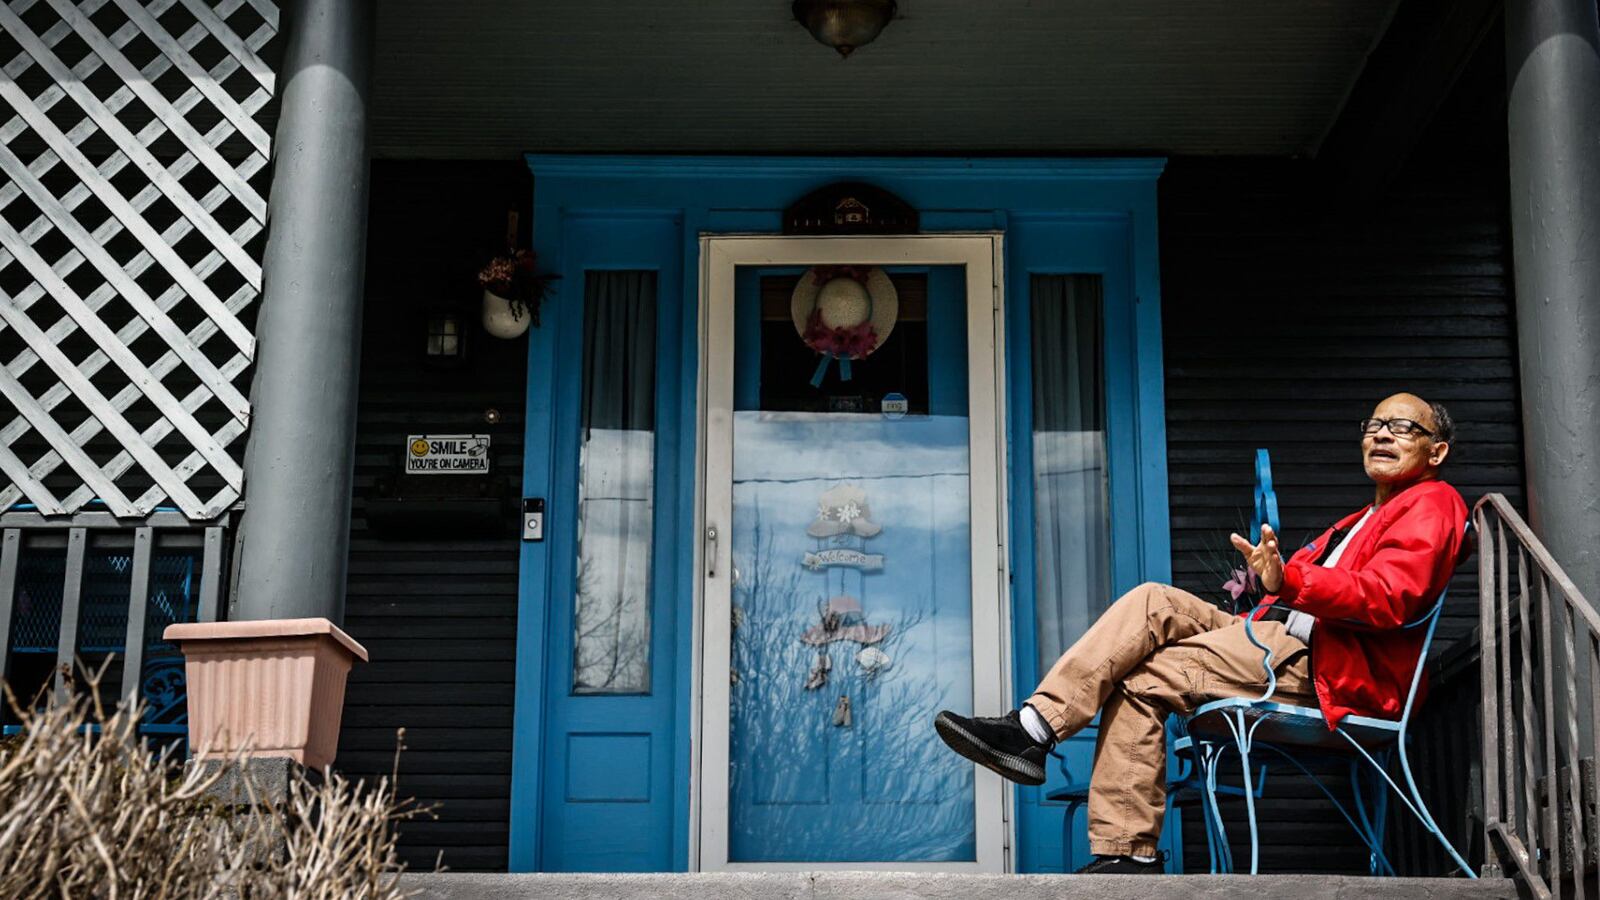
pixel 1380 803
pixel 1411 796
pixel 1241 737
pixel 1370 827
pixel 1066 836
pixel 1250 807
pixel 1216 837
pixel 1365 829
pixel 1424 815
pixel 1208 808
pixel 1225 847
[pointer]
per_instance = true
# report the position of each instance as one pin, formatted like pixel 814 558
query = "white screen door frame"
pixel 720 257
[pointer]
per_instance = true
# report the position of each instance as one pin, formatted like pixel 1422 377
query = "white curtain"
pixel 1071 523
pixel 616 485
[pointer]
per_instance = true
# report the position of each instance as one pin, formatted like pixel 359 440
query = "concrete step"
pixel 904 886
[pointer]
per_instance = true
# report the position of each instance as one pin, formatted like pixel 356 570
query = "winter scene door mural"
pixel 852 569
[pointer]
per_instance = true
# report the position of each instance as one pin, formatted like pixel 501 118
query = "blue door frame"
pixel 606 212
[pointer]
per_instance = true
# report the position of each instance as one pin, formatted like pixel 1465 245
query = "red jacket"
pixel 1390 575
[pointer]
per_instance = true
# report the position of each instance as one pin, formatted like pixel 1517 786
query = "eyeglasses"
pixel 1397 427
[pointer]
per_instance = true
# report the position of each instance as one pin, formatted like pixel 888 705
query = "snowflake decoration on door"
pixel 844 510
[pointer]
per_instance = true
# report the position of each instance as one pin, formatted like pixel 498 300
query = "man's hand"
pixel 1263 558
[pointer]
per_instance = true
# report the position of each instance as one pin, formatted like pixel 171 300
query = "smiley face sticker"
pixel 419 447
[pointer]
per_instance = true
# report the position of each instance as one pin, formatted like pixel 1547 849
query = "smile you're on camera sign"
pixel 447 454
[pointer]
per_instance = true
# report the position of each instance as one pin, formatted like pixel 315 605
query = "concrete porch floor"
pixel 898 885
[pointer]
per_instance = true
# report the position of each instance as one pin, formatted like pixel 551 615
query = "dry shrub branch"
pixel 90 811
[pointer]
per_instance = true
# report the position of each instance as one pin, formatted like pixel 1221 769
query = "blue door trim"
pixel 1028 199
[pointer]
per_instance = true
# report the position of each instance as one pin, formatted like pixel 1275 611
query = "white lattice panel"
pixel 133 163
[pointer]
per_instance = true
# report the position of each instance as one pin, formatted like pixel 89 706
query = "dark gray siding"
pixel 1282 330
pixel 1285 321
pixel 438 614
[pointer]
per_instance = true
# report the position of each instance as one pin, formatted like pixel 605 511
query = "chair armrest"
pixel 1266 653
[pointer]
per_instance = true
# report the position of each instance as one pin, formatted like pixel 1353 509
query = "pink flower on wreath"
pixel 854 342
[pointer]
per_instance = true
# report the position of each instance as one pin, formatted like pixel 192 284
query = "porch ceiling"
pixel 493 78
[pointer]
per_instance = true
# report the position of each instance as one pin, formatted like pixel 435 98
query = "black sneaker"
pixel 1001 745
pixel 1124 865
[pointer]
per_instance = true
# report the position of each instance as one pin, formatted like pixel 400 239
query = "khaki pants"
pixel 1157 650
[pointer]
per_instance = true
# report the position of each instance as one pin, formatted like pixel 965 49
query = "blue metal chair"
pixel 1292 732
pixel 1185 788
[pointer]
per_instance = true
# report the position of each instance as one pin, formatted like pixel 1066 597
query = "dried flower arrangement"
pixel 1222 562
pixel 514 277
pixel 87 809
pixel 1236 581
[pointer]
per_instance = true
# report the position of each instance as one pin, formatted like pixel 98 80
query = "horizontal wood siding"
pixel 437 612
pixel 1285 322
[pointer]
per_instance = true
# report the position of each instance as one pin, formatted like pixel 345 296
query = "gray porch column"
pixel 295 534
pixel 1553 87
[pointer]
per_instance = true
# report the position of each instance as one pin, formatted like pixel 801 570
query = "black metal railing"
pixel 1540 641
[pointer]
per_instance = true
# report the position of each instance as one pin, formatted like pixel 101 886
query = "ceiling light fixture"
pixel 844 25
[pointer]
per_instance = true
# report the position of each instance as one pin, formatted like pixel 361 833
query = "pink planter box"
pixel 272 687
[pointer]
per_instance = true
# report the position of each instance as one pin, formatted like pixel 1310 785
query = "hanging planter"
pixel 512 292
pixel 504 317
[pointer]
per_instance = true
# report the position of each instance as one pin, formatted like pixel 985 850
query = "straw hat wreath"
pixel 843 313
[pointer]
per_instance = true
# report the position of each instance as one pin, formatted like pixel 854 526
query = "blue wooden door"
pixel 852 603
pixel 608 798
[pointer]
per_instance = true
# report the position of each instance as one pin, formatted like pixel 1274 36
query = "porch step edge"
pixel 906 885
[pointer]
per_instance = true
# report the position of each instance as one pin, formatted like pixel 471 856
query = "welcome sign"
pixel 851 559
pixel 447 454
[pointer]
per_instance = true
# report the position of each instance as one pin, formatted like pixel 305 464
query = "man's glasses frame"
pixel 1397 427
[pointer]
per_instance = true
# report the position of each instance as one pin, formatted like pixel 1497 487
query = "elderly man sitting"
pixel 1160 650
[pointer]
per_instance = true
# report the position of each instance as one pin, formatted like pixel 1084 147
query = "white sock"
pixel 1036 726
pixel 1143 859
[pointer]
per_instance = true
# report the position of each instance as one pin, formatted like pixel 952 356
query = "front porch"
pixel 1326 210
